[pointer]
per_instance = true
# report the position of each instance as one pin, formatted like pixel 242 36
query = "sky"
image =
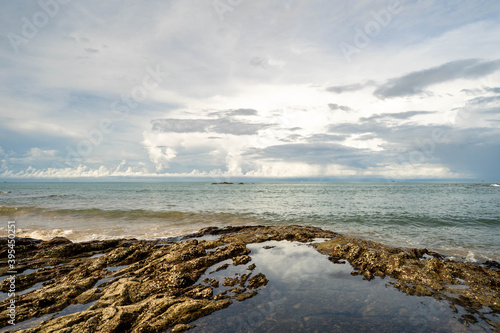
pixel 234 89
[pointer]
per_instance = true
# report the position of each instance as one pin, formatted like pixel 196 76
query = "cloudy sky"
pixel 239 88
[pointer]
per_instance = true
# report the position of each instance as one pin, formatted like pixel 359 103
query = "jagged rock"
pixel 55 241
pixel 212 282
pixel 230 282
pixel 257 281
pixel 241 260
pixel 433 276
pixel 222 267
pixel 157 288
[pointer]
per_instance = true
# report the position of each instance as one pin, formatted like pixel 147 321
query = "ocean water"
pixel 461 220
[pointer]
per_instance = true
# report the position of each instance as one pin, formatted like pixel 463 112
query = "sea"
pixel 460 220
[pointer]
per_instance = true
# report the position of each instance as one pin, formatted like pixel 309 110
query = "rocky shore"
pixel 165 285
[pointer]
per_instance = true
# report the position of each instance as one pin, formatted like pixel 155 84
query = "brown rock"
pixel 257 281
pixel 241 260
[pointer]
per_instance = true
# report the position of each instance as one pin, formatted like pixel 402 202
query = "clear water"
pixel 308 293
pixel 456 219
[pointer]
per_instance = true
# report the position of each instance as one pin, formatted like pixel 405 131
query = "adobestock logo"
pixel 372 29
pixel 30 28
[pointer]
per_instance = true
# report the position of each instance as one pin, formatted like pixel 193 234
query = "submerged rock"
pixel 149 286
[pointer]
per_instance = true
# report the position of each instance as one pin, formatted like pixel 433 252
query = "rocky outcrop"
pixel 420 272
pixel 153 286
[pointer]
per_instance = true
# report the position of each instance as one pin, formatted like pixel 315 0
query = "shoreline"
pixel 472 255
pixel 131 276
pixel 447 218
pixel 161 231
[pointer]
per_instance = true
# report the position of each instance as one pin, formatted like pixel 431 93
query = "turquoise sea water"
pixel 456 219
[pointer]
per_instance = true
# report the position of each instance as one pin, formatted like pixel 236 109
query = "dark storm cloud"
pixel 401 135
pixel 221 125
pixel 415 83
pixel 318 153
pixel 399 115
pixel 339 107
pixel 479 159
pixel 472 151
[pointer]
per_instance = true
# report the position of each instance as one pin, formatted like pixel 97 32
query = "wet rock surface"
pixel 155 286
pixel 423 273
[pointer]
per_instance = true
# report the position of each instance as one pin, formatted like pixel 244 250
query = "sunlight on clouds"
pixel 372 144
pixel 316 115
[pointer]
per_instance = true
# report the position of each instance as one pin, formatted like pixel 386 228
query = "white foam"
pixel 470 257
pixel 45 234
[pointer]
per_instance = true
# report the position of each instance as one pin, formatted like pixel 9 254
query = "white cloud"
pixel 161 156
pixel 70 76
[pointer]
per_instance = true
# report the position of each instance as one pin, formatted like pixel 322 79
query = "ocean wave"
pixel 470 257
pixel 495 185
pixel 5 192
pixel 12 210
pixel 131 214
pixel 45 234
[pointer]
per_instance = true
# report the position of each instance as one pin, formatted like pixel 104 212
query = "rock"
pixel 257 281
pixel 89 296
pixel 200 292
pixel 230 282
pixel 241 260
pixel 222 267
pixel 433 276
pixel 55 241
pixel 244 278
pixel 158 288
pixel 181 328
pixel 244 296
pixel 212 282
